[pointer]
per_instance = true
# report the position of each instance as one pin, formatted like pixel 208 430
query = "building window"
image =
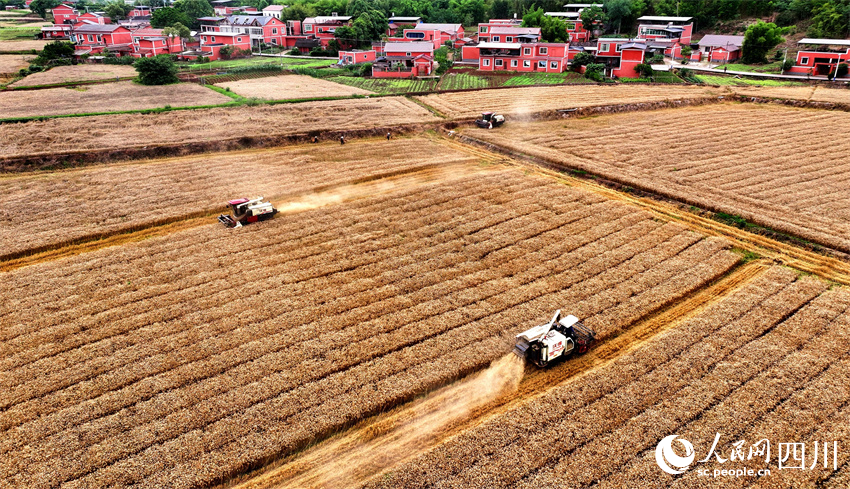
pixel 544 51
pixel 365 56
pixel 526 51
pixel 619 48
pixel 553 65
pixel 163 43
pixel 274 41
pixel 499 62
pixel 204 38
pixel 526 63
pixel 238 39
pixel 604 47
pixel 513 63
pixel 804 60
pixel 541 64
pixel 483 29
pixel 495 39
pixel 485 62
pixel 212 38
pixel 509 39
pixel 274 30
pixel 571 26
pixel 407 54
pixel 308 28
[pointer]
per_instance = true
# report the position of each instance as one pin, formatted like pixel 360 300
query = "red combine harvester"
pixel 554 340
pixel 246 211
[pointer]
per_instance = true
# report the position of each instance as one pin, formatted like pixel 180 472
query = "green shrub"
pixel 158 70
pixel 595 72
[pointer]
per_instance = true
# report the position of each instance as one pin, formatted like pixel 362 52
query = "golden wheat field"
pixel 530 100
pixel 108 97
pixel 77 73
pixel 106 199
pixel 291 87
pixel 762 363
pixel 768 164
pixel 188 359
pixel 811 93
pixel 205 126
pixel 18 45
pixel 11 63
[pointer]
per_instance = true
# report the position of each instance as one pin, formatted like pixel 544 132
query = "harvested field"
pixel 205 126
pixel 21 45
pixel 285 87
pixel 107 199
pixel 109 97
pixel 11 63
pixel 522 101
pixel 769 164
pixel 76 73
pixel 190 358
pixel 760 364
pixel 807 93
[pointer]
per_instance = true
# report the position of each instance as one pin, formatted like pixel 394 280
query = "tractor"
pixel 555 340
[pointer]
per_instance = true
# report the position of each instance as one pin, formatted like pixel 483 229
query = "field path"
pixel 377 444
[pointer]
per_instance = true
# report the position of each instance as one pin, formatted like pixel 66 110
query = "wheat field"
pixel 772 165
pixel 286 87
pixel 77 73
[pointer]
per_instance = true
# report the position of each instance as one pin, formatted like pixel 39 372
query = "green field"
pixel 387 85
pixel 526 79
pixel 257 60
pixel 775 67
pixel 10 33
pixel 739 82
pixel 461 80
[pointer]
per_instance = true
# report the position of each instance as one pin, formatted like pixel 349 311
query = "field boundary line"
pixel 66 84
pixel 832 265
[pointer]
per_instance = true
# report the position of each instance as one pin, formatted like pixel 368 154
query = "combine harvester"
pixel 489 120
pixel 246 211
pixel 559 338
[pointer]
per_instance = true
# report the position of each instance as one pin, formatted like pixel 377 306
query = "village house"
pixel 96 38
pixel 621 56
pixel 575 26
pixel 823 59
pixel 498 30
pixel 65 14
pixel 446 32
pixel 324 27
pixel 404 60
pixel 720 49
pixel 547 57
pixel 666 29
pixel 356 56
pixel 273 11
pixel 150 42
pixel 94 18
pixel 396 23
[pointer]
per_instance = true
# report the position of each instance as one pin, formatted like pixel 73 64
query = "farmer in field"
pixel 315 139
pixel 342 140
pixel 388 135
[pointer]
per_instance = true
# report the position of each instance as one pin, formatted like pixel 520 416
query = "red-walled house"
pixel 434 36
pixel 96 38
pixel 150 42
pixel 575 27
pixel 448 32
pixel 57 32
pixel 621 56
pixel 404 60
pixel 670 29
pixel 546 57
pixel 222 10
pixel 720 49
pixel 356 56
pixel 507 33
pixel 676 51
pixel 824 60
pixel 396 23
pixel 275 11
pixel 65 14
pixel 212 42
pixel 323 27
pixel 94 18
pixel 259 28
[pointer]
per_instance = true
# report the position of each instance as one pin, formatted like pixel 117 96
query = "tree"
pixel 53 51
pixel 500 9
pixel 193 10
pixel 595 72
pixel 645 70
pixel 370 25
pixel 829 20
pixel 592 18
pixel 441 56
pixel 167 17
pixel 177 30
pixel 158 70
pixel 117 10
pixel 552 29
pixel 297 12
pixel 42 6
pixel 617 10
pixel 582 58
pixel 226 52
pixel 346 36
pixel 759 39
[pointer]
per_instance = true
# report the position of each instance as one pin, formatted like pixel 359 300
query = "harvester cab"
pixel 489 120
pixel 246 211
pixel 559 338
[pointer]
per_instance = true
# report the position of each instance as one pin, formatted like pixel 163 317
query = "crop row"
pixel 516 443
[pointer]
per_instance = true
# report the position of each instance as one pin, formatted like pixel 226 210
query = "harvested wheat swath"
pixel 521 101
pixel 507 437
pixel 157 367
pixel 107 97
pixel 16 45
pixel 813 94
pixel 205 126
pixel 109 198
pixel 291 87
pixel 804 194
pixel 77 73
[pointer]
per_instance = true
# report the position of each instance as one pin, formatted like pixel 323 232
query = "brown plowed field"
pixel 523 101
pixel 77 73
pixel 811 93
pixel 290 87
pixel 162 363
pixel 768 164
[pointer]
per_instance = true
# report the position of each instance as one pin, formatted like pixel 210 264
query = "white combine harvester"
pixel 559 338
pixel 247 211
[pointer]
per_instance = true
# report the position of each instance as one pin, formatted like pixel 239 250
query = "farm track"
pixel 362 452
pixel 831 268
pixel 287 203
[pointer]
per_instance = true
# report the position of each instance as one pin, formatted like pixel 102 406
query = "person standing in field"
pixel 388 135
pixel 342 140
